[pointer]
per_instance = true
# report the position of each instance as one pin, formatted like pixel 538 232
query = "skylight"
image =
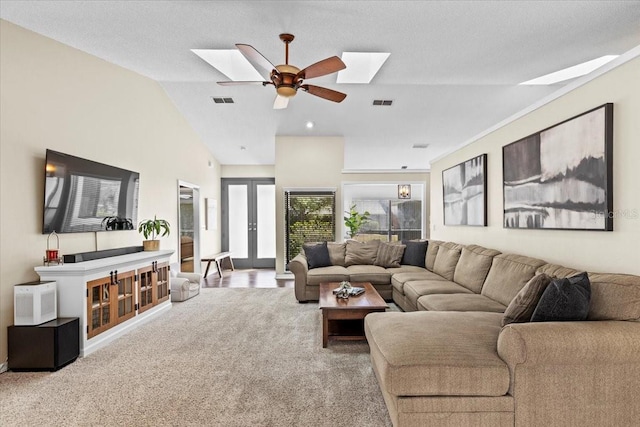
pixel 231 63
pixel 571 72
pixel 361 66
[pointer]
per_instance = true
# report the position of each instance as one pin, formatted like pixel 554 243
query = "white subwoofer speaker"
pixel 34 303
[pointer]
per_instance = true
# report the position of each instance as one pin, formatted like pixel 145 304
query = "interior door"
pixel 189 227
pixel 249 221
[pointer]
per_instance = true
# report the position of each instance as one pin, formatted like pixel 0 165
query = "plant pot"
pixel 151 245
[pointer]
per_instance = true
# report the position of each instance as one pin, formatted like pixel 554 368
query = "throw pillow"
pixel 361 253
pixel 564 300
pixel 317 255
pixel 522 306
pixel 414 253
pixel 389 255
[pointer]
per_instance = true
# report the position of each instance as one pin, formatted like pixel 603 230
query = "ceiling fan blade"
pixel 322 68
pixel 323 92
pixel 235 83
pixel 255 58
pixel 281 102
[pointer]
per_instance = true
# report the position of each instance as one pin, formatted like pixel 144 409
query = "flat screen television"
pixel 82 195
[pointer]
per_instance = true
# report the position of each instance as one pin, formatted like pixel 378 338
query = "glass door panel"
pixel 238 220
pixel 266 221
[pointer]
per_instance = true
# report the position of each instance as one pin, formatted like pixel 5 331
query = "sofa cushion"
pixel 459 302
pixel 317 255
pixel 564 300
pixel 399 279
pixel 446 260
pixel 473 266
pixel 415 253
pixel 405 269
pixel 415 289
pixel 334 273
pixel 361 253
pixel 555 270
pixel 432 251
pixel 337 252
pixel 614 297
pixel 437 354
pixel 369 273
pixel 507 275
pixel 389 254
pixel 522 306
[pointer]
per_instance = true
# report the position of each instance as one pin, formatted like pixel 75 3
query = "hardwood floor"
pixel 253 278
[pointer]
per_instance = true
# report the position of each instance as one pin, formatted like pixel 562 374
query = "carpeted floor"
pixel 228 357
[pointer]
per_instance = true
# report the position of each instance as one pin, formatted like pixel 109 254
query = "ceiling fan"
pixel 287 79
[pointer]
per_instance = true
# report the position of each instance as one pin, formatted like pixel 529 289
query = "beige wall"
pixel 248 171
pixel 615 251
pixel 317 162
pixel 53 96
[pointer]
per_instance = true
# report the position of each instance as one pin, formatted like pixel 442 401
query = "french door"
pixel 249 221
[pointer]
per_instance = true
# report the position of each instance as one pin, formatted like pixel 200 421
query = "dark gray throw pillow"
pixel 317 255
pixel 564 300
pixel 414 253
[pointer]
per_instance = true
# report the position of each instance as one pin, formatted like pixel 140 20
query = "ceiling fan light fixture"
pixel 286 91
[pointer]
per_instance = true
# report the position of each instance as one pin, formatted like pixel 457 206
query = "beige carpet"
pixel 228 357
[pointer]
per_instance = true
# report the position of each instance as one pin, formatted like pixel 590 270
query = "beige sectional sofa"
pixel 448 361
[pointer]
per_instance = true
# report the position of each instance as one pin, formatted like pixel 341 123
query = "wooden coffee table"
pixel 343 319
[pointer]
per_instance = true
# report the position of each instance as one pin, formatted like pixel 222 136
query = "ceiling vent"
pixel 380 102
pixel 420 146
pixel 220 100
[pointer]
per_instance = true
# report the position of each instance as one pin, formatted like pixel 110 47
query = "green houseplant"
pixel 355 220
pixel 153 228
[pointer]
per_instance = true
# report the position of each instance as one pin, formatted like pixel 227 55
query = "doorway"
pixel 249 221
pixel 189 227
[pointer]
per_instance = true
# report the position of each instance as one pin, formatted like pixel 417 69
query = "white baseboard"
pixel 4 367
pixel 284 276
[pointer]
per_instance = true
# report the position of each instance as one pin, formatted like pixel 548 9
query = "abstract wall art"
pixel 465 192
pixel 561 178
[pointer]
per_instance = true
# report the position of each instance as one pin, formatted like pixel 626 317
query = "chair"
pixel 183 285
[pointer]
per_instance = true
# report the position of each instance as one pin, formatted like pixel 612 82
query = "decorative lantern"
pixel 52 255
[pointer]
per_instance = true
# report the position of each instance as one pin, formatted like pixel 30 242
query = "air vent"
pixel 220 100
pixel 380 102
pixel 420 146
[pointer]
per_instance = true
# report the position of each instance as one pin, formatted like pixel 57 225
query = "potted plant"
pixel 152 228
pixel 117 223
pixel 355 220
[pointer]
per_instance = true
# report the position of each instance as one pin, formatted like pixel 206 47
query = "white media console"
pixel 111 295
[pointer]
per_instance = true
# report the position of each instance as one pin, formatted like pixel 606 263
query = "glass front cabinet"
pixel 153 285
pixel 110 300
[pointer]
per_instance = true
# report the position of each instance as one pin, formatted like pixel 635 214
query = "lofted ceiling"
pixel 453 71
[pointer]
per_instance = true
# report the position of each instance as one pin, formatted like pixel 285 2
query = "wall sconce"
pixel 404 191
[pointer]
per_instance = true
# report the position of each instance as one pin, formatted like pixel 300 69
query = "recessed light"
pixel 361 66
pixel 309 125
pixel 571 72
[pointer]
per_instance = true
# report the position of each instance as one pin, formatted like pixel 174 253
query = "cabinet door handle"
pixel 111 276
pixel 116 278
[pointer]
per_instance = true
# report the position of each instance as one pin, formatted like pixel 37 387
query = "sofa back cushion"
pixel 337 252
pixel 614 297
pixel 432 251
pixel 507 275
pixel 361 253
pixel 473 266
pixel 446 260
pixel 555 270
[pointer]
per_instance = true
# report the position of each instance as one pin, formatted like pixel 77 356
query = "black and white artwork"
pixel 465 192
pixel 561 178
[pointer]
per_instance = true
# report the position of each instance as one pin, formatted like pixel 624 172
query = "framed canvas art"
pixel 561 178
pixel 464 189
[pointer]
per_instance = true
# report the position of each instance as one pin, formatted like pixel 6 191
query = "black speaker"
pixel 48 346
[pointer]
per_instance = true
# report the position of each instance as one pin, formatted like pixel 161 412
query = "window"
pixel 390 219
pixel 309 217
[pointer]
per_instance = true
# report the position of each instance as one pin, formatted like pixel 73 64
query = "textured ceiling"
pixel 453 70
